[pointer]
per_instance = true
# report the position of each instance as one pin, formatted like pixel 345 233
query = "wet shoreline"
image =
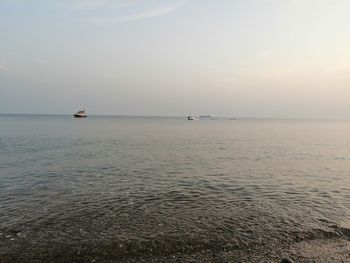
pixel 308 251
pixel 320 247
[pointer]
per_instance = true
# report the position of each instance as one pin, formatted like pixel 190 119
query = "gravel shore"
pixel 309 251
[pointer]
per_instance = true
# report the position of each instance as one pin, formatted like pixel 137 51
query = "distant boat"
pixel 205 116
pixel 190 118
pixel 80 114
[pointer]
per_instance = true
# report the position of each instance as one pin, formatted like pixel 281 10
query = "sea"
pixel 119 188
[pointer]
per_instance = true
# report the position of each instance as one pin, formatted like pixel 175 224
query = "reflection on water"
pixel 129 186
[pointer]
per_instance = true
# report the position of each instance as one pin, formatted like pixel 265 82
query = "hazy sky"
pixel 248 58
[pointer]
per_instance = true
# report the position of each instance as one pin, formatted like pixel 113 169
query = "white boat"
pixel 80 114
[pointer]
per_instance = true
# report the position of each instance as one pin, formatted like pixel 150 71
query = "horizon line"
pixel 176 116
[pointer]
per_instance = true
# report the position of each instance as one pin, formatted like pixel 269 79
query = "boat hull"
pixel 79 116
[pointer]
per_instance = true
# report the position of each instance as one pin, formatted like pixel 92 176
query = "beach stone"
pixel 287 260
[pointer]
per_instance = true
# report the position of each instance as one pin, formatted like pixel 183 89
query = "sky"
pixel 251 58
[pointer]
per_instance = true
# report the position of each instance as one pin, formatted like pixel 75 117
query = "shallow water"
pixel 132 185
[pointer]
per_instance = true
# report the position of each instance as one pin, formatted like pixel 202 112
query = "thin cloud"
pixel 161 11
pixel 88 5
pixel 85 4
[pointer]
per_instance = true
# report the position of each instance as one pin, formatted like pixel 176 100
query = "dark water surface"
pixel 118 187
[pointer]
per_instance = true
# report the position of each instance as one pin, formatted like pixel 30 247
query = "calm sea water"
pixel 127 185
